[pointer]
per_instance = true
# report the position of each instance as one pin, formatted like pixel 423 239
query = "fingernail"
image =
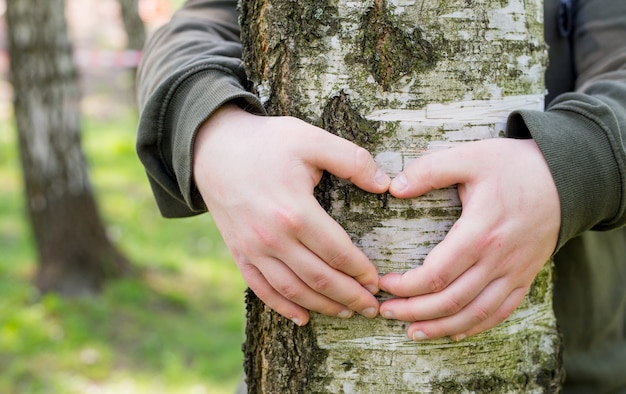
pixel 389 315
pixel 344 314
pixel 372 289
pixel 399 183
pixel 459 337
pixel 296 321
pixel 369 312
pixel 419 336
pixel 381 178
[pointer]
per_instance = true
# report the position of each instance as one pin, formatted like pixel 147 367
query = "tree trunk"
pixel 75 255
pixel 133 25
pixel 135 30
pixel 399 78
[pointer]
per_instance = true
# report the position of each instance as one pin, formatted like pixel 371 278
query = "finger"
pixel 436 305
pixel 333 284
pixel 459 250
pixel 434 170
pixel 482 309
pixel 329 241
pixel 291 287
pixel 281 289
pixel 346 160
pixel 270 297
pixel 505 310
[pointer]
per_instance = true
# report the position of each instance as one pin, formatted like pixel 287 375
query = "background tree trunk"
pixel 135 29
pixel 133 25
pixel 399 78
pixel 75 255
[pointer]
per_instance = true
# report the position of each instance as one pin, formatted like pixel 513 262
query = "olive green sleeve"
pixel 581 134
pixel 191 67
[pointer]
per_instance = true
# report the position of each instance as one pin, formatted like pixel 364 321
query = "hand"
pixel 508 229
pixel 257 175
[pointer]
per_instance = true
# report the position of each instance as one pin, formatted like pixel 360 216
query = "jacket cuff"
pixel 194 101
pixel 578 150
pixel 168 152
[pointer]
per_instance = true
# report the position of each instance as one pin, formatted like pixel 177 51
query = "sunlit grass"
pixel 176 327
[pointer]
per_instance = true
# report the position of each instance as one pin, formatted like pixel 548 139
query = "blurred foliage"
pixel 176 327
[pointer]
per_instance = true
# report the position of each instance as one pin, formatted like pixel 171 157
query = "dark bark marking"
pixel 390 49
pixel 280 357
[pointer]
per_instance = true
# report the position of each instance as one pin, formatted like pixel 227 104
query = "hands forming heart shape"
pixel 257 176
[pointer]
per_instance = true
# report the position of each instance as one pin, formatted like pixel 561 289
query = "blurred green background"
pixel 177 327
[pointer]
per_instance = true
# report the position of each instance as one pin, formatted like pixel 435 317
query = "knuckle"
pixel 437 282
pixel 452 306
pixel 265 237
pixel 362 159
pixel 267 233
pixel 248 271
pixel 480 314
pixel 289 219
pixel 490 239
pixel 289 291
pixel 511 304
pixel 502 315
pixel 410 316
pixel 321 283
pixel 262 293
pixel 353 303
pixel 339 261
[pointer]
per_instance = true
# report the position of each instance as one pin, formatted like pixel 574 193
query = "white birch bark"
pixel 414 76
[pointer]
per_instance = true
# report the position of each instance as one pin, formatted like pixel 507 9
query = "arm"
pixel 191 66
pixel 581 135
pixel 522 198
pixel 255 174
pixel 289 251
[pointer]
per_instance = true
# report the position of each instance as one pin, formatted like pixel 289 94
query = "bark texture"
pixel 399 78
pixel 75 255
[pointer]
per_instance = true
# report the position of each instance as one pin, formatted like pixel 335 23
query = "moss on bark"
pixel 391 48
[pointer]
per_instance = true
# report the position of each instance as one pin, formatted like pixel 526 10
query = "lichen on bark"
pixel 341 118
pixel 273 35
pixel 390 48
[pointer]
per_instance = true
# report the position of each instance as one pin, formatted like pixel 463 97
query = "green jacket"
pixel 192 66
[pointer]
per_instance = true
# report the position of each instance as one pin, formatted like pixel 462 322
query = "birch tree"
pixel 133 24
pixel 74 252
pixel 400 78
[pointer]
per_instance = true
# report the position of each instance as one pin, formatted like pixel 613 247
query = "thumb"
pixel 347 160
pixel 434 170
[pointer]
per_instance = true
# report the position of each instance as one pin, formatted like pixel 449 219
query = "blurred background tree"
pixel 75 255
pixel 133 24
pixel 176 324
pixel 134 27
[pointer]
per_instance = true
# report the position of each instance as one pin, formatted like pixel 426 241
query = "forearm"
pixel 579 137
pixel 581 133
pixel 190 68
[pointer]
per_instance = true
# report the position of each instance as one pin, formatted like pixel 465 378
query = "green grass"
pixel 175 328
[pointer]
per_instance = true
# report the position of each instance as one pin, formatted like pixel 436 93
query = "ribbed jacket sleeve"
pixel 190 67
pixel 581 134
